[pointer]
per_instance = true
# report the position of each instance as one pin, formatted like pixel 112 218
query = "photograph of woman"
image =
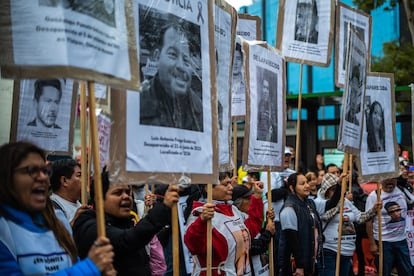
pixel 375 128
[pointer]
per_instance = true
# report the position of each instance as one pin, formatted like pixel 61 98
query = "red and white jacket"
pixel 231 231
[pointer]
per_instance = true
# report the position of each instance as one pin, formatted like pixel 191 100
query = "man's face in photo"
pixel 304 20
pixel 48 106
pixel 174 68
pixel 237 63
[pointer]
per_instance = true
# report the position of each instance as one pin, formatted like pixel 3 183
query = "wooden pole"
pixel 379 217
pixel 341 214
pixel 100 217
pixel 84 155
pixel 209 261
pixel 298 120
pixel 351 167
pixel 269 205
pixel 235 147
pixel 175 240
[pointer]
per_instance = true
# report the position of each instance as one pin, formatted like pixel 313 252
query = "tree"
pixel 408 5
pixel 397 59
pixel 397 55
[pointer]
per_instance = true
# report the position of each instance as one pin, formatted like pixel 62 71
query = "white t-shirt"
pixel 391 231
pixel 350 215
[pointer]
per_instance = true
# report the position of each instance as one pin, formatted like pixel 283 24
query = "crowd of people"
pixel 44 229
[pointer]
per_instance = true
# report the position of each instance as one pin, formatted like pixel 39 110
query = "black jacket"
pixel 128 240
pixel 300 243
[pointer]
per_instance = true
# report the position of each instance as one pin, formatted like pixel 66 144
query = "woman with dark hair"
pixel 231 230
pixel 128 240
pixel 375 128
pixel 32 238
pixel 300 240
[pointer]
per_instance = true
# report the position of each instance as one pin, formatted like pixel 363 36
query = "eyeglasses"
pixel 394 211
pixel 34 171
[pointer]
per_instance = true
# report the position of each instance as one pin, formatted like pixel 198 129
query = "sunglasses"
pixel 394 211
pixel 34 171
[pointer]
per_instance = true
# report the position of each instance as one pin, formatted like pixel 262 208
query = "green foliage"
pixel 368 5
pixel 398 59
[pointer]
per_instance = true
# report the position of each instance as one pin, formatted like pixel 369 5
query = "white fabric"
pixel 288 219
pixel 351 214
pixel 391 231
pixel 69 208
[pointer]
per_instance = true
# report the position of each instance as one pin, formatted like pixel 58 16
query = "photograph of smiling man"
pixel 172 98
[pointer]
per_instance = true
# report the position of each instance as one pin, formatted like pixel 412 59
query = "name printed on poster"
pixel 377 87
pixel 305 49
pixel 359 22
pixel 266 61
pixel 378 161
pixel 266 150
pixel 43 134
pixel 173 146
pixel 80 34
pixel 351 132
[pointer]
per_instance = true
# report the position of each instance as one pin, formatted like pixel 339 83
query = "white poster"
pixel 378 152
pixel 45 111
pixel 410 233
pixel 353 99
pixel 305 30
pixel 266 120
pixel 72 33
pixel 188 258
pixel 362 24
pixel 104 136
pixel 247 29
pixel 224 39
pixel 169 124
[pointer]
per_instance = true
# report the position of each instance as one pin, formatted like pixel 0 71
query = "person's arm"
pixel 278 194
pixel 255 219
pixel 373 248
pixel 195 237
pixel 333 201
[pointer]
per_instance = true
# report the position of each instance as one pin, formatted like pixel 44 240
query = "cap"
pixel 287 151
pixel 241 191
pixel 245 179
pixel 328 181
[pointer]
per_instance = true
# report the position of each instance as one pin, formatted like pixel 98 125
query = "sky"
pixel 239 3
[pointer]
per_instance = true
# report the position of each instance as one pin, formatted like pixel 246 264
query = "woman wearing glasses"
pixel 32 238
pixel 231 230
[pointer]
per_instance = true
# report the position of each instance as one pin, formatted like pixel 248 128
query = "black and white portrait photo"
pixel 47 96
pixel 353 99
pixel 173 96
pixel 267 107
pixel 238 86
pixel 305 31
pixel 374 125
pixel 44 113
pixel 378 156
pixel 173 117
pixel 263 144
pixel 306 24
pixel 362 23
pixel 102 10
pixel 353 107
